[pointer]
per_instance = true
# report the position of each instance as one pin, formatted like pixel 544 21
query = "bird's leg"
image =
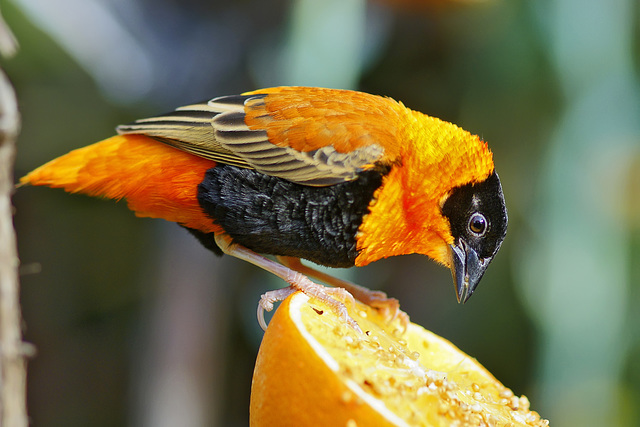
pixel 389 308
pixel 297 280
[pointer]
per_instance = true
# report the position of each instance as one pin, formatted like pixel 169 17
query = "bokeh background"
pixel 135 324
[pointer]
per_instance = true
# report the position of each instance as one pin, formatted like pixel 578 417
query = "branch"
pixel 13 412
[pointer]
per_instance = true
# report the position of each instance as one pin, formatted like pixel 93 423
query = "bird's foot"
pixel 299 282
pixel 389 308
pixel 268 299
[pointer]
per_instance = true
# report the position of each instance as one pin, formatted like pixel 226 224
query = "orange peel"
pixel 314 370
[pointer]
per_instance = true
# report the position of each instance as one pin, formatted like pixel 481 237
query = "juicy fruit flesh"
pixel 413 377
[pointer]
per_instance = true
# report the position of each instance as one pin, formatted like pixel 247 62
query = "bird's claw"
pixel 388 308
pixel 268 299
pixel 326 295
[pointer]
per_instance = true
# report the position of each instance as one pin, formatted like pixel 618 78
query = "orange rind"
pixel 314 370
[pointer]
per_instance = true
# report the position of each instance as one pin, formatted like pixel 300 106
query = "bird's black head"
pixel 478 218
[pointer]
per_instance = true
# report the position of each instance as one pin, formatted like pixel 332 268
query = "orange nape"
pixel 157 180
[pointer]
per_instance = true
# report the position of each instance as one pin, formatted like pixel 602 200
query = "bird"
pixel 337 177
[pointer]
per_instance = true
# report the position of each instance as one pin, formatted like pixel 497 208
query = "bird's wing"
pixel 190 129
pixel 308 136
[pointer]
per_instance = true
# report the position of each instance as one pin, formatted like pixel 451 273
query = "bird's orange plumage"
pixel 338 177
pixel 434 157
pixel 307 118
pixel 441 157
pixel 157 180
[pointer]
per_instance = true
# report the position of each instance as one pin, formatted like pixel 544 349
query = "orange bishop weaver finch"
pixel 337 177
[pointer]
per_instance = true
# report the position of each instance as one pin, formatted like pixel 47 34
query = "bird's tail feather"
pixel 157 180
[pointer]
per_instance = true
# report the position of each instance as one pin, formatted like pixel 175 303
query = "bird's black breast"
pixel 274 216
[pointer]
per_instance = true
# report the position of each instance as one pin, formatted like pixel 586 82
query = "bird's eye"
pixel 477 224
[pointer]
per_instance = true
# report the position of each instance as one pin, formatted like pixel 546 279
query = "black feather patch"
pixel 274 216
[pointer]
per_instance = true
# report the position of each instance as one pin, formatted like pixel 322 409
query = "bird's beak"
pixel 467 269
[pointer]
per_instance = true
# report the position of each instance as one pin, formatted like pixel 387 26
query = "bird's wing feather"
pixel 276 134
pixel 189 129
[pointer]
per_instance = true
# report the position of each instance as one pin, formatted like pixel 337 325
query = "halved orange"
pixel 314 370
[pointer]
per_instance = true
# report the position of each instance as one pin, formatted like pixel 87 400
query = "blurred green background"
pixel 135 324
